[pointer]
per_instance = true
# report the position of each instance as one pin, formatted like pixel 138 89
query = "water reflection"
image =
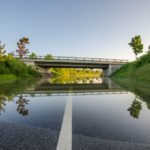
pixel 101 108
pixel 44 86
pixel 3 100
pixel 86 86
pixel 142 94
pixel 9 91
pixel 135 108
pixel 74 80
pixel 22 102
pixel 2 104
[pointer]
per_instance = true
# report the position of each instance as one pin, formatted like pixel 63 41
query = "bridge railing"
pixel 76 59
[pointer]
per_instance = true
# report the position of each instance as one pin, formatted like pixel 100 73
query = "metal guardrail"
pixel 76 59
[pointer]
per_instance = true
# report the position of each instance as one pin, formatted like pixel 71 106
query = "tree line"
pixel 21 50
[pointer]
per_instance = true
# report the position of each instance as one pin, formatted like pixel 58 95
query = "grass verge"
pixel 7 78
pixel 131 71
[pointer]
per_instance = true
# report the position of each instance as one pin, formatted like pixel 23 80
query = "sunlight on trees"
pixel 2 51
pixel 136 45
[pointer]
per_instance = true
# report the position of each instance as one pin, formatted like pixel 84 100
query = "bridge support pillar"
pixel 30 63
pixel 44 71
pixel 111 69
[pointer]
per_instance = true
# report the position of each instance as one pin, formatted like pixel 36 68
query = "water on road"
pixel 88 115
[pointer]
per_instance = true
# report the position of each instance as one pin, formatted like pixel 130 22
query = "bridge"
pixel 107 65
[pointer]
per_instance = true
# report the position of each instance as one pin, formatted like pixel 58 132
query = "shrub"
pixel 17 68
pixel 33 56
pixel 48 57
pixel 144 59
pixel 3 68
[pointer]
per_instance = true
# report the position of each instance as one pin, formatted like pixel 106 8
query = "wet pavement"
pixel 104 118
pixel 19 137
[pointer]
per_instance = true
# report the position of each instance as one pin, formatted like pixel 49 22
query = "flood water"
pixel 105 113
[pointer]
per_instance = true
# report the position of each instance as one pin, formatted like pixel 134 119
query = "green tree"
pixel 32 56
pixel 136 44
pixel 48 57
pixel 22 51
pixel 149 49
pixel 2 50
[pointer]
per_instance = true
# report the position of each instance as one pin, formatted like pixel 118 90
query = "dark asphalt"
pixel 19 137
pixel 92 143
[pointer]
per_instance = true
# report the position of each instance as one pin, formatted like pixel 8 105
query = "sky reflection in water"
pixel 100 108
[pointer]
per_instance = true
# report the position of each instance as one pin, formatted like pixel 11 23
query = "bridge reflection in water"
pixel 48 89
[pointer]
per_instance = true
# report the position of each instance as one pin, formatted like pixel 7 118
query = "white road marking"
pixel 65 136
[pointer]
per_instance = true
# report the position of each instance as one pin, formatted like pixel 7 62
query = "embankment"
pixel 13 69
pixel 137 70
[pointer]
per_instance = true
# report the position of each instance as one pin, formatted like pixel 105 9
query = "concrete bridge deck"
pixel 77 59
pixel 75 62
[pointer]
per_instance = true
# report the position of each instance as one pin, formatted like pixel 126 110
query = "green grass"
pixel 17 68
pixel 5 78
pixel 138 70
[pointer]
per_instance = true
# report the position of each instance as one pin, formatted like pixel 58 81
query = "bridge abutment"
pixel 111 69
pixel 30 63
pixel 44 71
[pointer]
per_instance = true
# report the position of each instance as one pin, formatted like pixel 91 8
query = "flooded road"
pixel 90 114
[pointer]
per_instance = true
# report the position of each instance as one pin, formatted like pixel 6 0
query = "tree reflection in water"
pixel 2 104
pixel 21 106
pixel 148 105
pixel 142 92
pixel 135 108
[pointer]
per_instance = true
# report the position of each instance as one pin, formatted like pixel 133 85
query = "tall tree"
pixel 2 50
pixel 22 51
pixel 149 49
pixel 136 44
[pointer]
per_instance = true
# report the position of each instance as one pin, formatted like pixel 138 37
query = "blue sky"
pixel 89 28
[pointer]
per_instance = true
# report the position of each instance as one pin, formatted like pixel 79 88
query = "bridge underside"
pixel 72 65
pixel 43 66
pixel 107 69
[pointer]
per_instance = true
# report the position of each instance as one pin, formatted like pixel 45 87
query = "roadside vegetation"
pixel 7 78
pixel 138 69
pixel 12 68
